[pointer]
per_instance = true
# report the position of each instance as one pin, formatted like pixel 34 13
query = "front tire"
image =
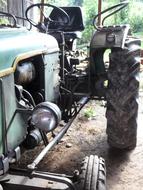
pixel 1 188
pixel 93 174
pixel 122 95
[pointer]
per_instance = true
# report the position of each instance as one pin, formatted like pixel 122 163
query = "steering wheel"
pixel 9 15
pixel 43 25
pixel 117 8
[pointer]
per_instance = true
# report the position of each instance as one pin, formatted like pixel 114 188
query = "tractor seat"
pixel 72 30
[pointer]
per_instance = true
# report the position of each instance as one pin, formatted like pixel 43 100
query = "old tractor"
pixel 44 80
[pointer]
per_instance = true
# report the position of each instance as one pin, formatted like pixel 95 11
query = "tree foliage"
pixel 2 4
pixel 130 15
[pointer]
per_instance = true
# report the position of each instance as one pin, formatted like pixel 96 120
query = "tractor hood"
pixel 19 42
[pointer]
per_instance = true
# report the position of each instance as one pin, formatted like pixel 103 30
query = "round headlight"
pixel 46 116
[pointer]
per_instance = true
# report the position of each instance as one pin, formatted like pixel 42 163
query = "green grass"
pixel 89 112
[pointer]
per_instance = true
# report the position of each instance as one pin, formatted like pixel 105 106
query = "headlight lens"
pixel 46 116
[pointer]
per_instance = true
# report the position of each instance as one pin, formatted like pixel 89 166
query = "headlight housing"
pixel 46 116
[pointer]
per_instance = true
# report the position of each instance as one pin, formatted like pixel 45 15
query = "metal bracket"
pixel 4 165
pixel 54 177
pixel 17 153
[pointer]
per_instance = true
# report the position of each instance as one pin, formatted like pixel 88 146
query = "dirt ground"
pixel 88 136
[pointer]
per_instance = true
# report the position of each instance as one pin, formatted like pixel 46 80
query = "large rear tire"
pixel 122 95
pixel 93 174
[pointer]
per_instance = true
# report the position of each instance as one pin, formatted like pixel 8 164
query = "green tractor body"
pixel 18 46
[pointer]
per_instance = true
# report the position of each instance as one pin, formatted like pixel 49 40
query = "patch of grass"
pixel 89 112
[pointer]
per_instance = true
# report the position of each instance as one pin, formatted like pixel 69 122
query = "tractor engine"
pixel 30 94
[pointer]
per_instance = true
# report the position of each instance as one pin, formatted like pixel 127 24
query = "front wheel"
pixel 122 95
pixel 93 174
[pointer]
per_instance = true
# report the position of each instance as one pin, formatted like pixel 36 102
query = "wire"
pixel 30 97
